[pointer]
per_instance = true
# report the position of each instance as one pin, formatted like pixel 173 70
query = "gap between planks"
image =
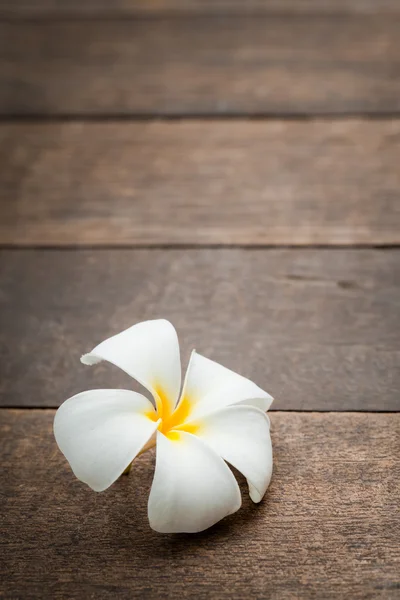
pixel 32 118
pixel 168 246
pixel 21 9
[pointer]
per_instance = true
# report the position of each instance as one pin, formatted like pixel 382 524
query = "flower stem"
pixel 150 444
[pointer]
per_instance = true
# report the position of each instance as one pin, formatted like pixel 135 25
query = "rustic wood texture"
pixel 307 64
pixel 318 329
pixel 189 182
pixel 122 204
pixel 121 8
pixel 327 528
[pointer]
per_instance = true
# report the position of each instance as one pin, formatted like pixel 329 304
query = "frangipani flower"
pixel 219 416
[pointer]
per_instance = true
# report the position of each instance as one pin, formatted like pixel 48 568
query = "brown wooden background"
pixel 234 167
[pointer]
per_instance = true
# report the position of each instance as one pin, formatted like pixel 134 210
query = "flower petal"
pixel 101 431
pixel 240 434
pixel 193 487
pixel 209 386
pixel 148 352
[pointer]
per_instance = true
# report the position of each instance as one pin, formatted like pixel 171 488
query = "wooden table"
pixel 233 167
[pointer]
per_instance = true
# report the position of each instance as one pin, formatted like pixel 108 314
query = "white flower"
pixel 220 416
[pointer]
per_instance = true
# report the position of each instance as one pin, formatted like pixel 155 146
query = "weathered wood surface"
pixel 204 65
pixel 189 182
pixel 126 8
pixel 318 329
pixel 327 528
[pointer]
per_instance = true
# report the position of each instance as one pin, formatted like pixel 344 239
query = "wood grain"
pixel 189 182
pixel 126 8
pixel 327 528
pixel 318 329
pixel 204 65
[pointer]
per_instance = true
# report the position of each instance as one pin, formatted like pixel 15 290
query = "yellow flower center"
pixel 172 422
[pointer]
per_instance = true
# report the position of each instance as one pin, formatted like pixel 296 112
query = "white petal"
pixel 240 434
pixel 193 487
pixel 210 386
pixel 101 431
pixel 148 352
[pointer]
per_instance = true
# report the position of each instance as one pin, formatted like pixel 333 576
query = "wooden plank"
pixel 328 527
pixel 189 182
pixel 232 65
pixel 318 329
pixel 129 8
